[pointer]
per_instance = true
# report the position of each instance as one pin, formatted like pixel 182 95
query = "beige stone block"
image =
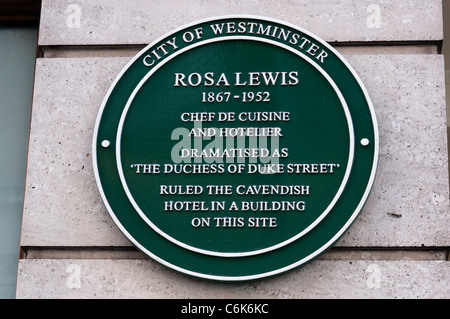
pixel 408 206
pixel 105 22
pixel 62 205
pixel 134 279
pixel 409 202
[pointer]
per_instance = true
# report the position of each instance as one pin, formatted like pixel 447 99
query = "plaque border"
pixel 264 274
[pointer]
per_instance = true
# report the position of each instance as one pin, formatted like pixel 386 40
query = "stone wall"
pixel 397 248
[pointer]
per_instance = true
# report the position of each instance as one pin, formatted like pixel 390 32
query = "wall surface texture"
pixel 397 248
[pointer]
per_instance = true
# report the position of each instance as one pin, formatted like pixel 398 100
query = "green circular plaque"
pixel 235 148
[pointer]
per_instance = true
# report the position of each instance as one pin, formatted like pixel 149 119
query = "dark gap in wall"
pixel 21 13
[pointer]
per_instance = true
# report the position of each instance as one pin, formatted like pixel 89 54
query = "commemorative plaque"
pixel 235 148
